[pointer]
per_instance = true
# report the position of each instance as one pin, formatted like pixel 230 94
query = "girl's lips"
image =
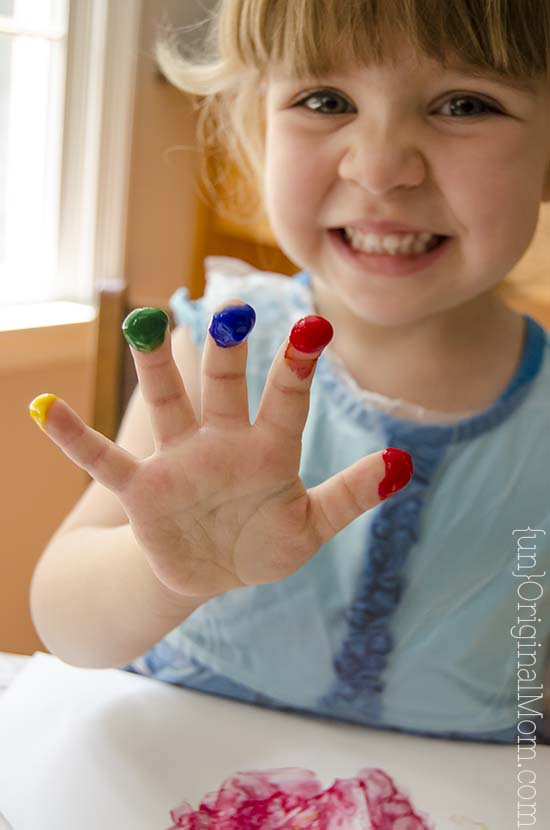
pixel 387 264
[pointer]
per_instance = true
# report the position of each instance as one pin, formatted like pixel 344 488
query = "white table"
pixel 129 749
pixel 10 666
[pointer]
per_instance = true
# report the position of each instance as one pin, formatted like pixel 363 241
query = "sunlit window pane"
pixel 6 7
pixel 36 14
pixel 32 79
pixel 5 62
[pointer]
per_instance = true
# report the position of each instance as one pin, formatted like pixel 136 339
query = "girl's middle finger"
pixel 224 391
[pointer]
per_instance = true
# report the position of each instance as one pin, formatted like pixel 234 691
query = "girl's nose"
pixel 381 162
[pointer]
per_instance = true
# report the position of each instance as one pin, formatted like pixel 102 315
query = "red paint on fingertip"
pixel 311 334
pixel 399 470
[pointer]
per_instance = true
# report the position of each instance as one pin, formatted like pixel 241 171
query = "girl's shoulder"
pixel 277 299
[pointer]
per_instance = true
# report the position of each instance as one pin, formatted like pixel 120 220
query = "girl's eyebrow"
pixel 526 85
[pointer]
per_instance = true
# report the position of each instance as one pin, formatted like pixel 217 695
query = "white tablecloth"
pixel 10 666
pixel 107 749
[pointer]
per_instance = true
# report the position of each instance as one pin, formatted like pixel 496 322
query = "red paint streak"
pixel 293 799
pixel 399 470
pixel 301 368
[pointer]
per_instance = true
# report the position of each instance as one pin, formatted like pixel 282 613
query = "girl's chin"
pixel 383 317
pixel 364 304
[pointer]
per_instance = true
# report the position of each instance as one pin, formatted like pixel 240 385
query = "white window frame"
pixel 102 57
pixel 103 45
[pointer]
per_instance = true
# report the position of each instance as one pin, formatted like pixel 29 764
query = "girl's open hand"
pixel 219 504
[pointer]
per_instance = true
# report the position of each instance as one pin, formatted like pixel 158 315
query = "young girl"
pixel 362 532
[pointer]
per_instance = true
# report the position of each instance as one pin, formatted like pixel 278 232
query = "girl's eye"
pixel 463 103
pixel 322 98
pixel 327 102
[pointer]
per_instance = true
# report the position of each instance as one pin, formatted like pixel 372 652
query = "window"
pixel 32 77
pixel 67 74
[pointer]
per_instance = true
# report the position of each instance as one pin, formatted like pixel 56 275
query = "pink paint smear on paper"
pixel 293 799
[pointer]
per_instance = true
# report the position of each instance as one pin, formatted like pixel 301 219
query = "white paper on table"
pixel 88 749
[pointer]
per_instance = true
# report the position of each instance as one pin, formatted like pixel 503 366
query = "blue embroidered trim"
pixel 364 651
pixel 392 534
pixel 201 678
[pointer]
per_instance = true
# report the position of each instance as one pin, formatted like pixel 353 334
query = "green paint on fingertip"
pixel 145 328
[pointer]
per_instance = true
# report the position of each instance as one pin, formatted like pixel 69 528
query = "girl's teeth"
pixel 371 243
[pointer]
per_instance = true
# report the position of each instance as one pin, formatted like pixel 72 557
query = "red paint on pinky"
pixel 399 470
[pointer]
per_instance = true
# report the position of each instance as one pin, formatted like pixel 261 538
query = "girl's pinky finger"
pixel 104 460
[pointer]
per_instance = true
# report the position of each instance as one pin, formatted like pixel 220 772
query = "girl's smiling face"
pixel 414 143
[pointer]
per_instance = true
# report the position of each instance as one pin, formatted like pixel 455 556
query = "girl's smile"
pixel 389 264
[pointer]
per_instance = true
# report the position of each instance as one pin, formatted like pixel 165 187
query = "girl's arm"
pixel 95 601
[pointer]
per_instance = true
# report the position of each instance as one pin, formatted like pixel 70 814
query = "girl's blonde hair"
pixel 243 38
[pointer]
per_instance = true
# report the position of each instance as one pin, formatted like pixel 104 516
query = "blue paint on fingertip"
pixel 232 325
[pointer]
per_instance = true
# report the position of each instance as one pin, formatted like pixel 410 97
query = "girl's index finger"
pixel 161 385
pixel 107 463
pixel 285 401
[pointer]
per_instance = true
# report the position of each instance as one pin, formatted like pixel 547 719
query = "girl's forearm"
pixel 96 603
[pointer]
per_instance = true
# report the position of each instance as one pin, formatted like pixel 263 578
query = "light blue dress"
pixel 403 620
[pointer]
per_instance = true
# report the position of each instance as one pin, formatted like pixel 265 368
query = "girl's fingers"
pixel 224 392
pixel 285 402
pixel 348 494
pixel 105 461
pixel 161 385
